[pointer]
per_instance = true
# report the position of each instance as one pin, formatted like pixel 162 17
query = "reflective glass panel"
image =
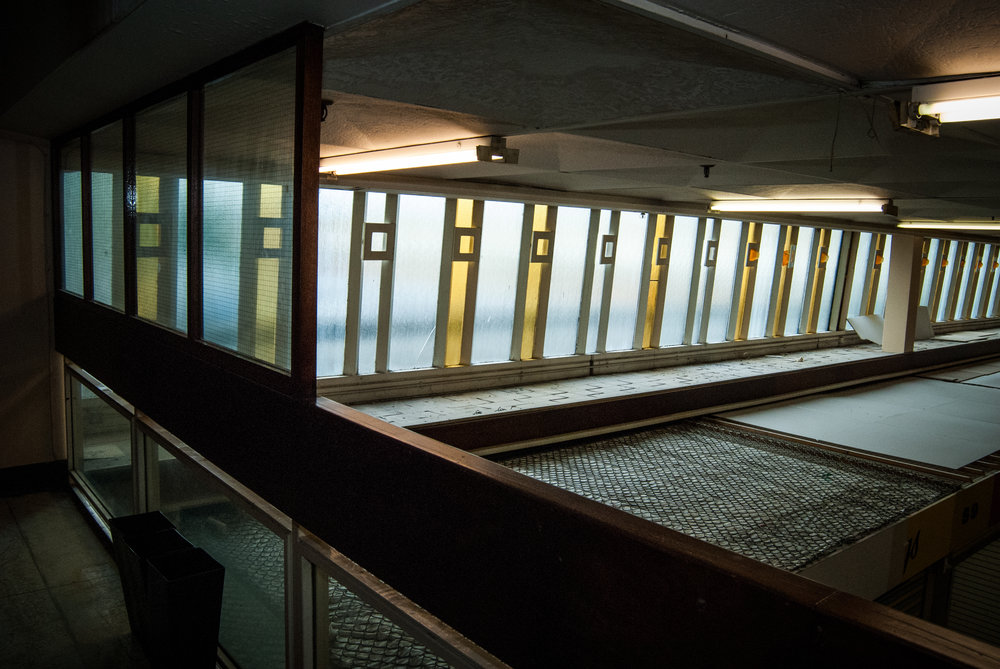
pixel 72 219
pixel 416 271
pixel 860 275
pixel 371 287
pixel 249 142
pixel 499 256
pixel 102 448
pixel 107 215
pixel 930 272
pixel 252 627
pixel 765 279
pixel 682 263
pixel 949 274
pixel 567 281
pixel 335 212
pixel 967 267
pixel 626 287
pixel 798 291
pixel 977 303
pixel 830 279
pixel 358 635
pixel 161 213
pixel 883 278
pixel 725 280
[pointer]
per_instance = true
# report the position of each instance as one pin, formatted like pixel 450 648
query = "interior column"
pixel 903 294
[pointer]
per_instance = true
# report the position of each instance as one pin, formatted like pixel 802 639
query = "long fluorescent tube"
pixel 476 149
pixel 803 206
pixel 950 225
pixel 957 101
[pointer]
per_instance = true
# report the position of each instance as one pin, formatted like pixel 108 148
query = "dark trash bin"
pixel 167 582
pixel 184 589
pixel 134 540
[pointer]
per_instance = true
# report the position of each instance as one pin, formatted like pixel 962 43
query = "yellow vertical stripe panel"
pixel 148 287
pixel 654 282
pixel 147 194
pixel 538 224
pixel 270 200
pixel 266 317
pixel 456 314
pixel 531 311
pixel 463 213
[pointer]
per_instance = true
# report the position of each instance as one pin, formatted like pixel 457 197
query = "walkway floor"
pixel 423 410
pixel 61 601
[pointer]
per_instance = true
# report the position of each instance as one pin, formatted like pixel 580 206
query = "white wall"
pixel 30 376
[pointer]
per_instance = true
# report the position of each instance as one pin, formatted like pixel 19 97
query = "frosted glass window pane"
pixel 107 215
pixel 499 256
pixel 567 281
pixel 981 282
pixel 416 270
pixel 860 275
pixel 883 279
pixel 994 306
pixel 161 213
pixel 949 274
pixel 249 139
pixel 829 281
pixel 967 267
pixel 72 219
pixel 797 293
pixel 252 625
pixel 335 212
pixel 628 273
pixel 223 213
pixel 597 285
pixel 371 286
pixel 930 273
pixel 765 279
pixel 725 276
pixel 682 264
pixel 106 447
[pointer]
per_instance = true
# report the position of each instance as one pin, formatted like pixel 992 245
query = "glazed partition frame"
pixel 535 575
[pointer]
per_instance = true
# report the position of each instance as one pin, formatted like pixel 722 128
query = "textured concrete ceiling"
pixel 617 97
pixel 608 97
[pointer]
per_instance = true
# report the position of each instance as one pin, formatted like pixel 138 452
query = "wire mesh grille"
pixel 360 636
pixel 781 503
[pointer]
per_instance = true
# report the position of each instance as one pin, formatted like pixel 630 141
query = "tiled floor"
pixel 60 596
pixel 424 410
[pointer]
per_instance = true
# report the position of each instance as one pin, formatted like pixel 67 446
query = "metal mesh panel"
pixel 360 636
pixel 777 502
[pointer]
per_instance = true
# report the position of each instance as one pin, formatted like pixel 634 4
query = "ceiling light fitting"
pixel 830 206
pixel 957 224
pixel 951 102
pixel 476 149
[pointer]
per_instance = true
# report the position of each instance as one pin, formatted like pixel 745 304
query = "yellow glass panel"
pixel 265 339
pixel 466 244
pixel 531 311
pixel 270 200
pixel 147 195
pixel 149 235
pixel 147 285
pixel 456 314
pixel 272 238
pixel 463 214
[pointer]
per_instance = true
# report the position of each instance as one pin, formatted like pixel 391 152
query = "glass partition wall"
pixel 124 463
pixel 420 282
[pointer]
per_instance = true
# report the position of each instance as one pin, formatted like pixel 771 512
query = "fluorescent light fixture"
pixel 454 152
pixel 957 101
pixel 805 206
pixel 958 224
